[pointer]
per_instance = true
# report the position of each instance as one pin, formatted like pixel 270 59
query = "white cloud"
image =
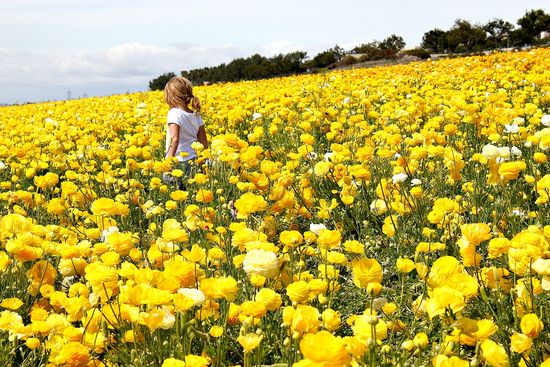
pixel 24 75
pixel 45 75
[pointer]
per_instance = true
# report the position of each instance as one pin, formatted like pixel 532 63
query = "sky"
pixel 55 49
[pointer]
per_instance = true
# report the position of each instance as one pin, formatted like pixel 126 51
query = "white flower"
pixel 400 177
pixel 256 115
pixel 2 165
pixel 545 120
pixel 346 100
pixel 490 152
pixel 195 294
pixel 416 182
pixel 261 262
pixel 328 156
pixel 168 320
pixel 515 151
pixel 511 128
pixel 316 227
pixel 541 266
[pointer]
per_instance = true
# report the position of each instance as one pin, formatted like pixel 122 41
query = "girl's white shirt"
pixel 189 123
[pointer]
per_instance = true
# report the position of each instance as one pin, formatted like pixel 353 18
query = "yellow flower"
pixel 442 360
pixel 173 362
pixel 222 287
pixel 303 319
pixel 369 327
pixel 196 255
pixel 520 343
pixel 475 233
pixel 469 332
pixel 32 343
pixel 421 340
pixel 216 331
pixel 11 303
pixel 173 231
pixel 192 360
pixel 106 206
pixel 333 352
pixel 291 238
pixel 328 239
pixel 249 341
pixel 531 325
pixel 366 271
pixel 404 265
pixel 511 170
pixel 249 203
pixel 179 195
pixel 122 242
pixel 494 354
pixel 331 319
pixel 271 299
pixel 298 291
pixel 444 298
pixel 73 354
pixel 47 181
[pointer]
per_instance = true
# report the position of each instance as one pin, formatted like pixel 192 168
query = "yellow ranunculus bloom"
pixel 332 354
pixel 249 341
pixel 366 271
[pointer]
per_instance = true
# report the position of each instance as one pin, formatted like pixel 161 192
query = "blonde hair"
pixel 178 92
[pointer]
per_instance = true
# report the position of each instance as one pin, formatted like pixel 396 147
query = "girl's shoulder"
pixel 181 111
pixel 179 115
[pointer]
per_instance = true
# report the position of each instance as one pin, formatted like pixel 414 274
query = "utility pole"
pixel 69 94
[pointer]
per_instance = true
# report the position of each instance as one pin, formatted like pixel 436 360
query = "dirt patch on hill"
pixel 376 63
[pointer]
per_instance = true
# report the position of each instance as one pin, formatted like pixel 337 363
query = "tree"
pixel 393 42
pixel 498 33
pixel 328 57
pixel 532 24
pixel 465 37
pixel 160 82
pixel 435 40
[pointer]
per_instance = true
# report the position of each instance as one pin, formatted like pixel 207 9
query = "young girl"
pixel 184 123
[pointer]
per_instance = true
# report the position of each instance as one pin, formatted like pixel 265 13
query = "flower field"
pixel 371 217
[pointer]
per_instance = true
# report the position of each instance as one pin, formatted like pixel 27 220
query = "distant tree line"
pixel 261 67
pixel 462 37
pixel 497 33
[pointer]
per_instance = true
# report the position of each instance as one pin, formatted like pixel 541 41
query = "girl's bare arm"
pixel 201 137
pixel 174 140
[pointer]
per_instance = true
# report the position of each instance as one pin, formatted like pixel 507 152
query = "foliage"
pixel 251 68
pixel 497 33
pixel 386 49
pixel 531 25
pixel 159 82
